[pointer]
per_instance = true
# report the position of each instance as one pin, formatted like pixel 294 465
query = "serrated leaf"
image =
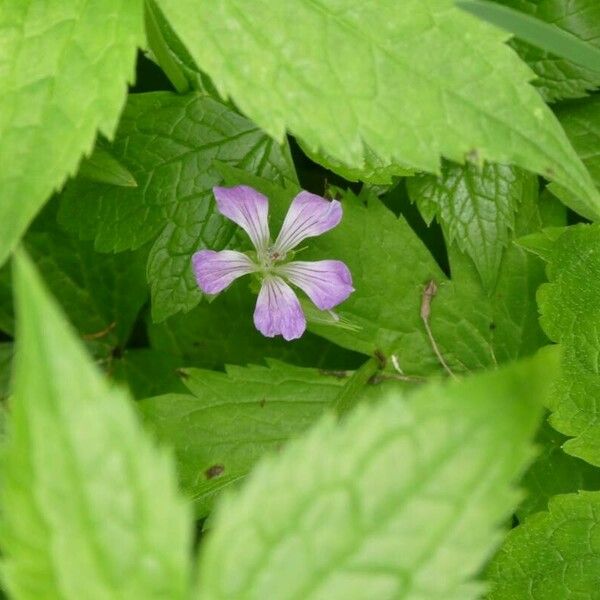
pixel 554 554
pixel 476 209
pixel 64 67
pixel 233 418
pixel 169 143
pixel 581 121
pixel 554 472
pixel 558 78
pixel 222 333
pixel 570 314
pixel 286 67
pixel 392 267
pixel 402 500
pixel 89 505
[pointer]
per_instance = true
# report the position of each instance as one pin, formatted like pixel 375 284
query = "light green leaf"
pixel 476 209
pixel 89 505
pixel 402 500
pixel 169 143
pixel 570 315
pixel 553 555
pixel 558 78
pixel 222 333
pixel 64 66
pixel 391 268
pixel 554 472
pixel 581 121
pixel 286 67
pixel 233 418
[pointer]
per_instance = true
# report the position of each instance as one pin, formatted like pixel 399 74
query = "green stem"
pixel 349 396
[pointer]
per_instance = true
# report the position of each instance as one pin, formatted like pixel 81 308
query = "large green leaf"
pixel 391 268
pixel 402 500
pixel 168 143
pixel 411 81
pixel 553 555
pixel 570 315
pixel 64 67
pixel 554 472
pixel 476 209
pixel 233 418
pixel 559 78
pixel 89 505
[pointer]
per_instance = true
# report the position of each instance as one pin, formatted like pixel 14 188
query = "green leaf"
pixel 222 332
pixel 581 121
pixel 537 32
pixel 169 143
pixel 476 209
pixel 64 67
pixel 102 294
pixel 559 78
pixel 554 472
pixel 171 55
pixel 233 418
pixel 570 314
pixel 103 167
pixel 287 68
pixel 374 170
pixel 89 505
pixel 392 267
pixel 554 554
pixel 147 372
pixel 392 503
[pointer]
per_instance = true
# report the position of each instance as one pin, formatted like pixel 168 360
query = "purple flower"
pixel 278 311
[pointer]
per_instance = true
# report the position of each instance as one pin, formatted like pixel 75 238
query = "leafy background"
pixel 439 439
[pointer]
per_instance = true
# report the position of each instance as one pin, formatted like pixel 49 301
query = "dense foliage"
pixel 300 300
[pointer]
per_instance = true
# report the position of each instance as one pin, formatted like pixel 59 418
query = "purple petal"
pixel 216 270
pixel 325 282
pixel 309 215
pixel 278 311
pixel 248 208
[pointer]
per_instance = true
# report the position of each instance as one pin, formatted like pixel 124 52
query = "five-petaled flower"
pixel 278 311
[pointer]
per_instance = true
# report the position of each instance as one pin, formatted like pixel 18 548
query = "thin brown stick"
pixel 428 295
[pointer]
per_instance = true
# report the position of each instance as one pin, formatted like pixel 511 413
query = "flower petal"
pixel 248 208
pixel 326 282
pixel 278 311
pixel 216 270
pixel 309 215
